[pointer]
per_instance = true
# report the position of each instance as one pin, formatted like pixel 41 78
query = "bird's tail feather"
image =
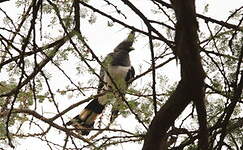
pixel 85 120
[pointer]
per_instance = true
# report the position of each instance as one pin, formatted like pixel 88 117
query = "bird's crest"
pixel 131 37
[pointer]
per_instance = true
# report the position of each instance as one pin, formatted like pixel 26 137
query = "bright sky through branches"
pixel 102 40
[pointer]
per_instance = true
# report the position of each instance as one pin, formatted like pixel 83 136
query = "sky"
pixel 103 39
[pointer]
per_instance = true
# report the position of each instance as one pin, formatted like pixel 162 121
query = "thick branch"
pixel 191 86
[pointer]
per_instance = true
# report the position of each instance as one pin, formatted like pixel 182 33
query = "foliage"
pixel 49 61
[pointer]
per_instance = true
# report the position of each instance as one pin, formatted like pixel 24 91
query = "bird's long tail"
pixel 85 120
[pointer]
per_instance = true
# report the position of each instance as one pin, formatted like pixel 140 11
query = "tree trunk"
pixel 191 86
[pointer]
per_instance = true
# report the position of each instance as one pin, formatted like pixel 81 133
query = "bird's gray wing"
pixel 105 64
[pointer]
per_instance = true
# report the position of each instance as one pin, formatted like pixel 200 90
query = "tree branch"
pixel 222 23
pixel 191 86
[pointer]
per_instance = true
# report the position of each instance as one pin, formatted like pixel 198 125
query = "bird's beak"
pixel 131 48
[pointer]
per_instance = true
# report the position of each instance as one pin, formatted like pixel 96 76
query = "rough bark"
pixel 191 86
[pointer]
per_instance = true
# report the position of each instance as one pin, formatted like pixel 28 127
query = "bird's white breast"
pixel 118 74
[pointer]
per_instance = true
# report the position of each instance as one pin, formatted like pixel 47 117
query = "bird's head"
pixel 126 45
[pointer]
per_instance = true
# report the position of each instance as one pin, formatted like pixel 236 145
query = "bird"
pixel 115 73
